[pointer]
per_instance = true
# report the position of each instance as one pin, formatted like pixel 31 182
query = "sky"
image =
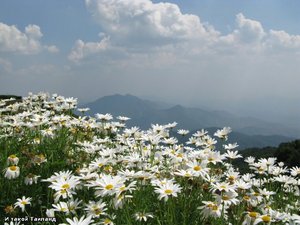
pixel 233 55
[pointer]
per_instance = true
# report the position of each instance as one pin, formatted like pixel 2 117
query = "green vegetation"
pixel 10 96
pixel 288 153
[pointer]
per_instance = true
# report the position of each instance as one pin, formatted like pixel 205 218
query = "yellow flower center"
pixel 187 175
pixel 97 211
pixel 123 188
pixel 12 156
pixel 107 221
pixel 266 218
pixel 246 197
pixel 179 155
pixel 23 202
pixel 215 208
pixel 107 168
pixel 100 165
pixel 168 191
pixel 109 187
pixel 13 168
pixel 231 178
pixel 253 214
pixel 66 186
pixel 197 168
pixel 225 197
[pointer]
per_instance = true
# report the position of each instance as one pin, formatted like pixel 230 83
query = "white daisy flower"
pixel 22 202
pixel 167 190
pixel 12 172
pixel 142 216
pixel 12 160
pixel 223 133
pixel 95 209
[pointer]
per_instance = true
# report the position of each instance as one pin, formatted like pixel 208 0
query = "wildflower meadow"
pixel 60 166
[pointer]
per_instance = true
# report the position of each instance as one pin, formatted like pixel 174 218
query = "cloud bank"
pixel 140 27
pixel 12 40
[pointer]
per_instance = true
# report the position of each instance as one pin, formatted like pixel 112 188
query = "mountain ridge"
pixel 143 113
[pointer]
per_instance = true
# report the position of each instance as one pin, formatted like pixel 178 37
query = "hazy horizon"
pixel 241 57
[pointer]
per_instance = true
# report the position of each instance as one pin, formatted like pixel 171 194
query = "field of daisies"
pixel 59 166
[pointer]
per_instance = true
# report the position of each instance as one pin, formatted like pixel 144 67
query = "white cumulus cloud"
pixel 52 48
pixel 248 31
pixel 247 34
pixel 33 31
pixel 83 49
pixel 16 41
pixel 251 35
pixel 144 29
pixel 142 21
pixel 284 40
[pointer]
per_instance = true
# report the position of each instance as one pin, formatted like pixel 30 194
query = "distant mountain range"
pixel 248 131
